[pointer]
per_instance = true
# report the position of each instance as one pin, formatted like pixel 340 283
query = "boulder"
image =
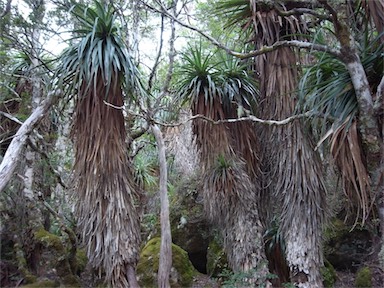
pixel 182 271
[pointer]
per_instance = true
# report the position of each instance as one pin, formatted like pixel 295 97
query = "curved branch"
pixel 290 43
pixel 248 118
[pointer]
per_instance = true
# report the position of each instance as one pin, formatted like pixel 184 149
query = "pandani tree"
pixel 97 72
pixel 229 160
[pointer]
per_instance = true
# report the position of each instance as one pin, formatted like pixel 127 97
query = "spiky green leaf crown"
pixel 216 77
pixel 100 55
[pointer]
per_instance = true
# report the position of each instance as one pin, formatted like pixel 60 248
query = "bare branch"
pixel 159 52
pixel 248 118
pixel 11 117
pixel 172 53
pixel 262 50
pixel 301 11
pixel 289 43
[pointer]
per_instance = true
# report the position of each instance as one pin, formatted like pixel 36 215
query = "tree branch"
pixel 159 52
pixel 289 43
pixel 262 50
pixel 301 11
pixel 11 117
pixel 248 118
pixel 7 9
pixel 13 153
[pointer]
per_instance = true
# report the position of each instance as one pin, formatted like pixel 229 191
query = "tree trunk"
pixel 290 160
pixel 131 276
pixel 369 117
pixel 165 260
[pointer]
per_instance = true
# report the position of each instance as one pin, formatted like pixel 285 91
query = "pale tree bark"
pixel 34 78
pixel 172 50
pixel 7 9
pixel 165 259
pixel 14 152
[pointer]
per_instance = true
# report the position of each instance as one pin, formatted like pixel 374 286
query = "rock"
pixel 182 271
pixel 190 229
pixel 54 264
pixel 346 249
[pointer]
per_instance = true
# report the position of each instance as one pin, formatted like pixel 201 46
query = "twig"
pixel 11 117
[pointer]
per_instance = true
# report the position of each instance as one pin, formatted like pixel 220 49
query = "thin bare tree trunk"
pixel 165 260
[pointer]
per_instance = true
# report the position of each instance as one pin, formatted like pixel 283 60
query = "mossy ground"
pixel 363 278
pixel 329 274
pixel 182 269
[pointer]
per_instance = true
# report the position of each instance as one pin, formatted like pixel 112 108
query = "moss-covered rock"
pixel 182 272
pixel 329 274
pixel 363 278
pixel 190 228
pixel 55 257
pixel 22 265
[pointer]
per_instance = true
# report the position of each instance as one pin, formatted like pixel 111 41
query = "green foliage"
pixel 364 278
pixel 245 279
pixel 150 224
pixel 197 76
pixel 326 85
pixel 218 77
pixel 329 274
pixel 145 167
pixel 235 12
pixel 100 55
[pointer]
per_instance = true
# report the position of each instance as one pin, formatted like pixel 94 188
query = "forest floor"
pixel 345 279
